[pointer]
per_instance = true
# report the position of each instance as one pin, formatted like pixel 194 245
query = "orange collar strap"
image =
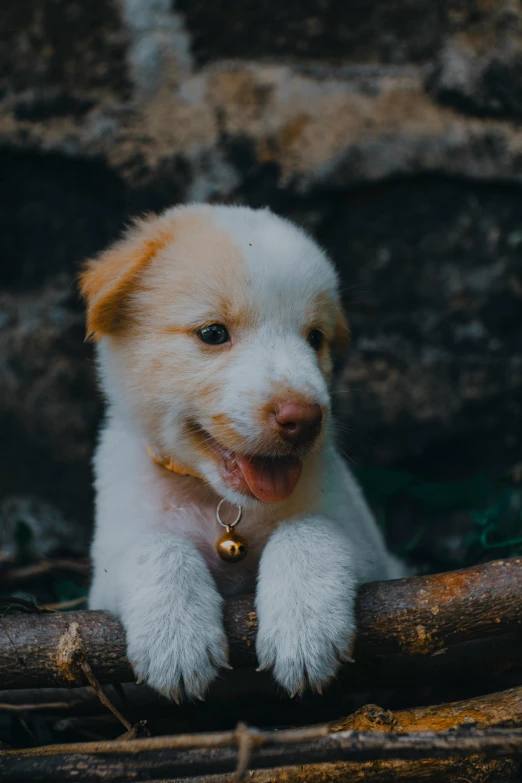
pixel 169 464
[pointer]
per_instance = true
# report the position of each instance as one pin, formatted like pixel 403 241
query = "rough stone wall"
pixel 390 129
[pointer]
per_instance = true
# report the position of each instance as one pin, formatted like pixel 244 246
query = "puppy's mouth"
pixel 269 479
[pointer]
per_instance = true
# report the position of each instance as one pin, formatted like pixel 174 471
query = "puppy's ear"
pixel 341 338
pixel 108 281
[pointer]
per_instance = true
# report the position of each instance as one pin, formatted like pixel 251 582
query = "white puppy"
pixel 216 330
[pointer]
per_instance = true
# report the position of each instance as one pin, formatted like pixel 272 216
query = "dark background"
pixel 391 130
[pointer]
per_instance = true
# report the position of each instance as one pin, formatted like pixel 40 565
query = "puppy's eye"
pixel 214 334
pixel 315 339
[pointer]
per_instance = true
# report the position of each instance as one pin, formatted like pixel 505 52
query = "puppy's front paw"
pixel 176 658
pixel 304 646
pixel 172 613
pixel 305 610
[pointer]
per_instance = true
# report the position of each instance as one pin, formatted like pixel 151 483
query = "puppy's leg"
pixel 171 611
pixel 305 602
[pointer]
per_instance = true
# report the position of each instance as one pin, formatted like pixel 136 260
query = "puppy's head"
pixel 217 328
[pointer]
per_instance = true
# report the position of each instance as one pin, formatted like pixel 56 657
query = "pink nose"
pixel 298 424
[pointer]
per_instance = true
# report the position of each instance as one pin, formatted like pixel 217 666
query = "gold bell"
pixel 231 547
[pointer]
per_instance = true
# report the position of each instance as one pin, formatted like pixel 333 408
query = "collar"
pixel 231 547
pixel 169 464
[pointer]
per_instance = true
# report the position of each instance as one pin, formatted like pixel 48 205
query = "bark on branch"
pixel 190 755
pixel 420 619
pixel 493 710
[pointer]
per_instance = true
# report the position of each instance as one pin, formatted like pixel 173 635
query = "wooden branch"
pixel 421 619
pixel 490 711
pixel 483 712
pixel 493 710
pixel 189 755
pixel 423 615
pixel 457 770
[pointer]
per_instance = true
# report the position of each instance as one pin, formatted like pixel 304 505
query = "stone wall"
pixel 390 129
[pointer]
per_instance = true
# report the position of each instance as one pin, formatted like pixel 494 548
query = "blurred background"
pixel 390 129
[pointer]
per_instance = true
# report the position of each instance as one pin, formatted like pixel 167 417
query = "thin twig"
pixel 138 730
pixel 51 705
pixel 93 682
pixel 19 575
pixel 29 606
pixel 22 604
pixel 245 746
pixel 63 605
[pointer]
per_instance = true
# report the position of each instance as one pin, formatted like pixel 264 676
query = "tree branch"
pixel 429 621
pixel 189 755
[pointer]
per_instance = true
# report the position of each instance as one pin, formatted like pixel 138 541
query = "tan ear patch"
pixel 341 338
pixel 108 281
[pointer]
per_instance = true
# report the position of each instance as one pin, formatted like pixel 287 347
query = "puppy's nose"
pixel 298 424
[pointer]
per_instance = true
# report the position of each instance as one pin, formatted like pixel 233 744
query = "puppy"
pixel 216 331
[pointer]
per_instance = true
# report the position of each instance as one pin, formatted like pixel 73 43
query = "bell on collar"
pixel 231 547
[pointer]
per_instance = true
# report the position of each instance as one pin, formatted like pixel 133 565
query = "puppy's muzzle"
pixel 297 424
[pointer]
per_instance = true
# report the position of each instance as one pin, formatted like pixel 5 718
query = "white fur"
pixel 155 563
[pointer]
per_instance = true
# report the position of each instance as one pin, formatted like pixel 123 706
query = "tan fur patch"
pixel 203 263
pixel 225 433
pixel 198 279
pixel 222 421
pixel 199 441
pixel 108 281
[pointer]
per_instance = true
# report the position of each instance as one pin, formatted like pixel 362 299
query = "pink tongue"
pixel 271 480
